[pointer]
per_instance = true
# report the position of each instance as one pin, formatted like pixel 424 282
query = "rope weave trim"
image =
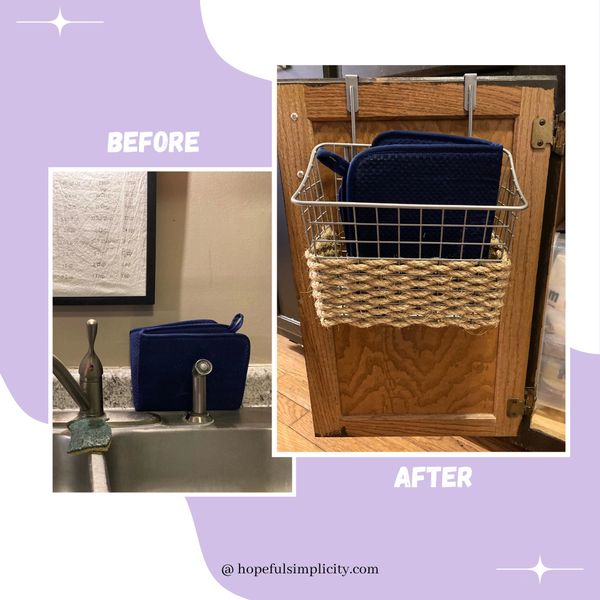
pixel 364 293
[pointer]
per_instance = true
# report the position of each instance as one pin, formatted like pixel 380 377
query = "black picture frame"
pixel 149 297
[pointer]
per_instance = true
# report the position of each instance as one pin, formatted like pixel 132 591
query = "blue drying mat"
pixel 163 356
pixel 407 167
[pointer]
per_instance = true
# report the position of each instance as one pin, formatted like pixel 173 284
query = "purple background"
pixel 442 543
pixel 150 68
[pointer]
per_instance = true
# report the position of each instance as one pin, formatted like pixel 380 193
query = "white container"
pixel 551 378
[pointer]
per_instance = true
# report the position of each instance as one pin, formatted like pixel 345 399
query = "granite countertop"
pixel 117 388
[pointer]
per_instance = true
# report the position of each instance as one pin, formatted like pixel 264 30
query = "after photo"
pixel 421 252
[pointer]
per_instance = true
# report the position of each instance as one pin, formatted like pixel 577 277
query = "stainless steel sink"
pixel 231 455
pixel 117 417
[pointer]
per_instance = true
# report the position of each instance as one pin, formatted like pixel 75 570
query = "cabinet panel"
pixel 417 380
pixel 390 99
pixel 415 371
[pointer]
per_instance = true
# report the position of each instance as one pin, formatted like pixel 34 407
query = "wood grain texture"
pixel 415 371
pixel 295 142
pixel 496 130
pixel 550 421
pixel 472 424
pixel 428 378
pixel 398 99
pixel 295 387
pixel 349 444
pixel 515 325
pixel 292 379
pixel 298 394
pixel 290 358
pixel 289 440
pixel 288 411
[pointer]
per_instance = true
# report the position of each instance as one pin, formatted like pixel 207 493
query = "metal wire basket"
pixel 401 264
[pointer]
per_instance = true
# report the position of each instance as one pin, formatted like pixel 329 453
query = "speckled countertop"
pixel 117 388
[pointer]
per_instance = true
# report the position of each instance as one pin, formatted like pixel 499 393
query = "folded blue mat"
pixel 408 167
pixel 162 358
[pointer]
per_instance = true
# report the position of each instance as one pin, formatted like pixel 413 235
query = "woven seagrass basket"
pixel 355 250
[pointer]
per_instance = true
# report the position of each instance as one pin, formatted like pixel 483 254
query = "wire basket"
pixel 404 264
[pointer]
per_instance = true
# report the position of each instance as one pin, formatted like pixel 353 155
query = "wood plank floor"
pixel 295 430
pixel 550 421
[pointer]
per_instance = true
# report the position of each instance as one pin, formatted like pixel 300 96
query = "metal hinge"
pixel 558 145
pixel 519 408
pixel 544 131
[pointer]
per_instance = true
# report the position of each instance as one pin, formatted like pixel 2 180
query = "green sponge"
pixel 89 434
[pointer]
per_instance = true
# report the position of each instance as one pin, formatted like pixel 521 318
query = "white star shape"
pixel 60 22
pixel 539 569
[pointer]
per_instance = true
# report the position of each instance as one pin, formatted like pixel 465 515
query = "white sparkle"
pixel 60 22
pixel 539 569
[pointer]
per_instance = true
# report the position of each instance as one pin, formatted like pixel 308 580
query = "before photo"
pixel 162 332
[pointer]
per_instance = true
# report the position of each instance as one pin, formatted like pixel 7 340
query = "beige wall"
pixel 213 259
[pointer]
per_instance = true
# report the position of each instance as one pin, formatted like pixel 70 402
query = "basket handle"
pixel 334 161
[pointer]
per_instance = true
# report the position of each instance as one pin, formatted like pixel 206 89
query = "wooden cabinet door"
pixel 417 380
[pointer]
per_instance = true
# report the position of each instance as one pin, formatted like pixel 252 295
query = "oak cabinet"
pixel 418 380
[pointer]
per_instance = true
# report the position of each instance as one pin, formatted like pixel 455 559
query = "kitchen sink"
pixel 231 455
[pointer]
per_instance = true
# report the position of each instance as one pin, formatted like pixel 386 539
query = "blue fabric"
pixel 162 358
pixel 334 161
pixel 425 137
pixel 408 167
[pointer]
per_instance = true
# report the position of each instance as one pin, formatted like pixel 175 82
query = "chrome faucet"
pixel 88 393
pixel 199 414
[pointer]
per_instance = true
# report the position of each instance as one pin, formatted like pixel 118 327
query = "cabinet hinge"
pixel 517 407
pixel 545 131
pixel 558 145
